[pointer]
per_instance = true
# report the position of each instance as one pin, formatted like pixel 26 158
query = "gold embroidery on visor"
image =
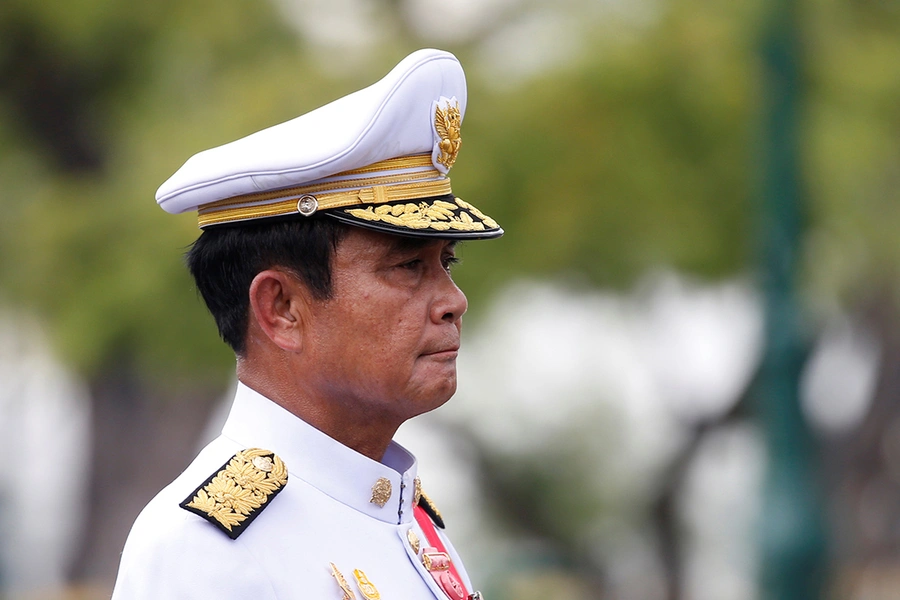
pixel 438 215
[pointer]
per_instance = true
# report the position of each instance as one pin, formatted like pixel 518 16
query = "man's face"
pixel 387 340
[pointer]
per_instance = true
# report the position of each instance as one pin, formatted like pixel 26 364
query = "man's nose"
pixel 452 303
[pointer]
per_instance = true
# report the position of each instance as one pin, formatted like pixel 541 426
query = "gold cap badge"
pixel 447 120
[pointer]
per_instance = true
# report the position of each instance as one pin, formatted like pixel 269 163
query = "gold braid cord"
pixel 437 215
pixel 232 497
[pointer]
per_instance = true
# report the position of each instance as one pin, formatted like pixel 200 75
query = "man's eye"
pixel 411 264
pixel 449 261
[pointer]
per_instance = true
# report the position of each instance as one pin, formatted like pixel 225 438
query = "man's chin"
pixel 436 394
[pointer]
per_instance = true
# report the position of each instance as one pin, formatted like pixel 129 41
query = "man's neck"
pixel 361 432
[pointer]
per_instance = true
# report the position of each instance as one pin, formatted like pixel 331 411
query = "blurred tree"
pixel 88 97
pixel 633 157
pixel 853 262
pixel 635 154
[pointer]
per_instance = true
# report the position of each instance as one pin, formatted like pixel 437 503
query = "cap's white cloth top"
pixel 391 118
pixel 323 515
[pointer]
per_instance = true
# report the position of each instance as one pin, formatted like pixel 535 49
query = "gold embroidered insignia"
pixel 447 123
pixel 413 540
pixel 381 492
pixel 345 587
pixel 365 586
pixel 417 490
pixel 236 494
pixel 437 215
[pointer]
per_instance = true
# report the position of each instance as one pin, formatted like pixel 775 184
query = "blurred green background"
pixel 622 146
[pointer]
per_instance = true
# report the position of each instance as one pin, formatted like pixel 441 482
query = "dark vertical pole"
pixel 793 534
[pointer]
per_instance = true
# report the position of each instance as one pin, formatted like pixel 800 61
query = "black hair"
pixel 224 260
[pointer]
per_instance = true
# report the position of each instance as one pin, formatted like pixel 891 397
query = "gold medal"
pixel 365 586
pixel 345 587
pixel 413 540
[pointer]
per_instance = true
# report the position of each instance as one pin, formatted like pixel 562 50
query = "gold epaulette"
pixel 429 507
pixel 235 494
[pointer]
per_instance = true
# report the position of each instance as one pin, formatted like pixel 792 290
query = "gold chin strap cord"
pixel 396 179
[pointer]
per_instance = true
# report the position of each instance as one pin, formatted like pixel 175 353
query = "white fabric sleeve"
pixel 187 559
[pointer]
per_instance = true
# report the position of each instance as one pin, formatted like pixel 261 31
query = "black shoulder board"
pixel 432 510
pixel 234 495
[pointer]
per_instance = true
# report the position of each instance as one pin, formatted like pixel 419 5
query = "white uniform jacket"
pixel 323 515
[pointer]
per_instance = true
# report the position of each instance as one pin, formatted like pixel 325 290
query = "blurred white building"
pixel 44 442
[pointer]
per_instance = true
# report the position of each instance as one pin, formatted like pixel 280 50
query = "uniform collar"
pixel 324 463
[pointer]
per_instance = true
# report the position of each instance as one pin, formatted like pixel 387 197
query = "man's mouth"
pixel 450 350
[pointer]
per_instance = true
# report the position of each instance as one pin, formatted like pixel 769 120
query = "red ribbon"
pixel 448 579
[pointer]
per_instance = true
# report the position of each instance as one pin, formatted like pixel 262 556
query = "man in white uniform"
pixel 325 260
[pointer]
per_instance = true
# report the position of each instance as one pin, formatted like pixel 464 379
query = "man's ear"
pixel 279 303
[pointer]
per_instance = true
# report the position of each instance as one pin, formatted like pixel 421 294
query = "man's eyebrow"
pixel 404 244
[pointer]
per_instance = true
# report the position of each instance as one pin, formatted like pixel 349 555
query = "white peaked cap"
pixel 377 158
